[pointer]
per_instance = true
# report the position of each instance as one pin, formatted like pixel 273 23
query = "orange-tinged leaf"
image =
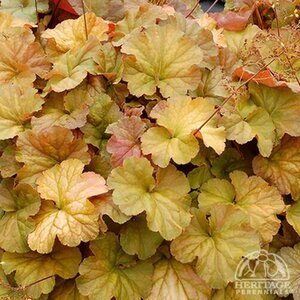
pixel 125 141
pixel 68 214
pixel 71 34
pixel 40 151
pixel 71 68
pixel 21 57
pixel 233 21
pixel 264 77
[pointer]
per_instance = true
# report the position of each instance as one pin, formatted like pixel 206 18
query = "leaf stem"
pixel 36 11
pixel 212 6
pixel 259 19
pixel 84 18
pixel 193 9
pixel 36 282
pixel 20 288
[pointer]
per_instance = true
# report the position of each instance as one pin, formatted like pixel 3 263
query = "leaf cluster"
pixel 146 147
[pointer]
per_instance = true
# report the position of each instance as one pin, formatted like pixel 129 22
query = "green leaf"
pixel 8 164
pixel 178 117
pixel 112 273
pixel 25 9
pixel 281 169
pixel 176 281
pixel 100 164
pixel 151 62
pixel 243 128
pixel 103 112
pixel 230 293
pixel 110 63
pixel 31 267
pixel 19 204
pixel 136 238
pixel 291 257
pixel 201 36
pixel 67 213
pixel 198 176
pixel 281 104
pixel 7 290
pixel 8 20
pixel 135 188
pixel 252 195
pixel 69 111
pixel 67 290
pixel 17 104
pixel 293 216
pixel 230 160
pixel 164 146
pixel 212 84
pixel 218 241
pixel 237 42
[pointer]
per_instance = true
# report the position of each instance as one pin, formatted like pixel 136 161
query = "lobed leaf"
pixel 40 151
pixel 218 241
pixel 178 117
pixel 111 273
pixel 31 267
pixel 174 280
pixel 135 188
pixel 66 212
pixel 17 104
pixel 151 62
pixel 19 204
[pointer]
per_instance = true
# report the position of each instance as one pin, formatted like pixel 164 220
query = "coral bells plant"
pixel 148 148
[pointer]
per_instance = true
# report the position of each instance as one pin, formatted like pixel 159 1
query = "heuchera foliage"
pixel 146 147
